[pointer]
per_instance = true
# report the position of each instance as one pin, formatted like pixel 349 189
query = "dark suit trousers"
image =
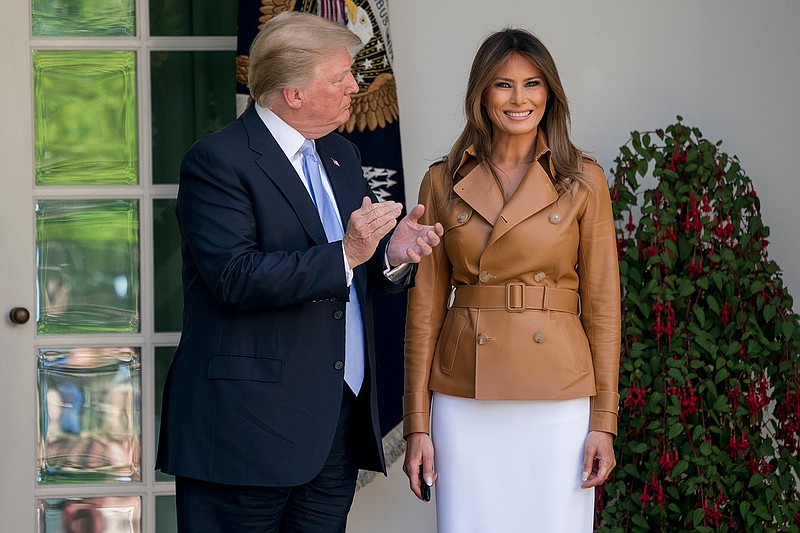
pixel 319 506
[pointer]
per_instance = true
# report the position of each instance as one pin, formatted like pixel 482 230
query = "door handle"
pixel 19 315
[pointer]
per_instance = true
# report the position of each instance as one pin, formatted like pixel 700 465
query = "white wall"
pixel 730 67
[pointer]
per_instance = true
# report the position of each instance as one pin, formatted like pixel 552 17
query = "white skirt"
pixel 510 466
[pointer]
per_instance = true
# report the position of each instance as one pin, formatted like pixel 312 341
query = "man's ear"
pixel 292 97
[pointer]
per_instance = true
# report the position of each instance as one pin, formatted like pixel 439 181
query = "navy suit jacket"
pixel 254 389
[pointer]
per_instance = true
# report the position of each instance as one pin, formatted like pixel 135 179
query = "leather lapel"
pixel 480 190
pixel 535 192
pixel 278 168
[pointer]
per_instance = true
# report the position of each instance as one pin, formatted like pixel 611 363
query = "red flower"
pixel 759 467
pixel 668 460
pixel 734 395
pixel 630 226
pixel 736 448
pixel 758 396
pixel 622 246
pixel 687 398
pixel 636 398
pixel 705 208
pixel 713 514
pixel 788 415
pixel 725 313
pixel 657 495
pixel 678 158
pixel 693 269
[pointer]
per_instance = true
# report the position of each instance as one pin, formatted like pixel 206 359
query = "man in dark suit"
pixel 270 405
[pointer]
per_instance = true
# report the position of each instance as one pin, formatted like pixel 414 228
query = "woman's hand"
pixel 598 458
pixel 419 451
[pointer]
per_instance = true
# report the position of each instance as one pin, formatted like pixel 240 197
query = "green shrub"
pixel 709 377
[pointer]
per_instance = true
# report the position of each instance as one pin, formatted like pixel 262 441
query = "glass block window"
pixel 83 18
pixel 107 514
pixel 192 94
pixel 85 118
pixel 89 415
pixel 166 517
pixel 87 260
pixel 186 18
pixel 167 285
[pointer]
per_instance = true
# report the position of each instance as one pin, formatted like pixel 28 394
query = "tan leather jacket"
pixel 531 340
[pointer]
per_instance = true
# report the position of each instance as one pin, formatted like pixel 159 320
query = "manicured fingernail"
pixel 584 476
pixel 429 481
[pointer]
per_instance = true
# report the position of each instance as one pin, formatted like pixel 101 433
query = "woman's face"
pixel 516 99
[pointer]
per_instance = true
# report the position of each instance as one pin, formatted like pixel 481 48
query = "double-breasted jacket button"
pixel 338 314
pixel 539 276
pixel 482 338
pixel 338 365
pixel 538 337
pixel 462 216
pixel 554 218
pixel 484 276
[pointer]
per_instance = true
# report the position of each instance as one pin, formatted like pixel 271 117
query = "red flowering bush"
pixel 710 369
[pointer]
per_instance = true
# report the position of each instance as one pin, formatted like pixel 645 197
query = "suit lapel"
pixel 346 189
pixel 277 167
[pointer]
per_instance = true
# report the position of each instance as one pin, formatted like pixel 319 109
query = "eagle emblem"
pixel 375 105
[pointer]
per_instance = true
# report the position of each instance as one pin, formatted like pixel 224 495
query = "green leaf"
pixel 788 328
pixel 721 404
pixel 701 315
pixel 638 447
pixel 674 431
pixel 705 448
pixel 639 520
pixel 679 469
pixel 744 507
pixel 698 515
pixel 769 312
pixel 641 167
pixel 712 302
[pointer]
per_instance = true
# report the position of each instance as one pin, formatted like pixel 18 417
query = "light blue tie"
pixel 329 215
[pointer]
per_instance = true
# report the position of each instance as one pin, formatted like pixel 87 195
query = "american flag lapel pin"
pixel 335 162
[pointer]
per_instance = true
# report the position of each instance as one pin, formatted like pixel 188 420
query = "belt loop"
pixel 545 298
pixel 515 297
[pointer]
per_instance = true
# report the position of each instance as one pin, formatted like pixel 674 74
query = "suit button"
pixel 538 337
pixel 338 365
pixel 554 218
pixel 484 276
pixel 462 216
pixel 338 315
pixel 539 276
pixel 483 338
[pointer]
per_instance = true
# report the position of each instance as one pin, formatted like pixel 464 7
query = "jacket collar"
pixel 480 190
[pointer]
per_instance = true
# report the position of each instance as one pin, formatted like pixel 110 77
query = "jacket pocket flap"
pixel 246 368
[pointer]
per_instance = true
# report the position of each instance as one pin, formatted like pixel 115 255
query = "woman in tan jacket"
pixel 513 328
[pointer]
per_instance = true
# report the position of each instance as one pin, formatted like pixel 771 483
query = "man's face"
pixel 326 101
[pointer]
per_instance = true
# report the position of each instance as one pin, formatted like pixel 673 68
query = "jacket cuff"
pixel 416 413
pixel 604 408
